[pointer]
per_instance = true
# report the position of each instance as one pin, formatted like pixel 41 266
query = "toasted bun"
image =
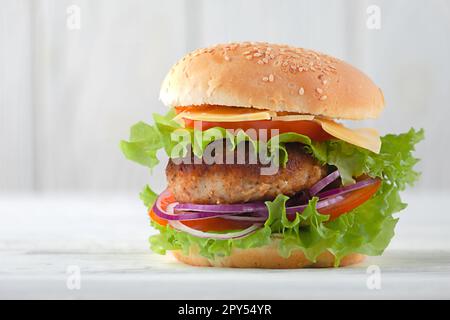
pixel 267 258
pixel 272 77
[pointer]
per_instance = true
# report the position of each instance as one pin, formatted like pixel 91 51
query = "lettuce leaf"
pixel 148 196
pixel 144 143
pixel 394 162
pixel 367 229
pixel 352 161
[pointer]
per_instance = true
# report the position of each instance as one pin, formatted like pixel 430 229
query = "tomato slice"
pixel 308 128
pixel 217 224
pixel 205 225
pixel 311 129
pixel 351 201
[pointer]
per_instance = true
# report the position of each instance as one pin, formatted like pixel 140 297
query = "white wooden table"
pixel 44 239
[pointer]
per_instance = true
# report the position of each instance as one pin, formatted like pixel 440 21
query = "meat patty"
pixel 238 183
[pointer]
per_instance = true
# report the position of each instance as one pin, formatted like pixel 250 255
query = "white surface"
pixel 106 237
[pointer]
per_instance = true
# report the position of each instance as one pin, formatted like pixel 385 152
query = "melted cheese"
pixel 366 138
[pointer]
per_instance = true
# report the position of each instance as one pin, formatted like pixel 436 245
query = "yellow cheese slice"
pixel 226 117
pixel 294 117
pixel 366 138
pixel 224 114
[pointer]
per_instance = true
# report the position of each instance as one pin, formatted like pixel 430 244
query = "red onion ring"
pixel 219 236
pixel 169 215
pixel 343 190
pixel 245 218
pixel 324 182
pixel 222 208
pixel 320 204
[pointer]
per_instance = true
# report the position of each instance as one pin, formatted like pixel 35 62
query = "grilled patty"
pixel 237 183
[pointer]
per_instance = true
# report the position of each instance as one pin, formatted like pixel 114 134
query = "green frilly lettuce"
pixel 367 229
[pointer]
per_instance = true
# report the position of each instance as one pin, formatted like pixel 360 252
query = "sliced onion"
pixel 343 190
pixel 324 182
pixel 320 204
pixel 219 236
pixel 254 219
pixel 222 208
pixel 169 215
pixel 329 202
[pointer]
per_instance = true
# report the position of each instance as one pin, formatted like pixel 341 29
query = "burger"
pixel 261 172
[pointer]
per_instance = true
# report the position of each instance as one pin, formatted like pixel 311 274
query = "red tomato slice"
pixel 205 225
pixel 305 127
pixel 311 129
pixel 351 201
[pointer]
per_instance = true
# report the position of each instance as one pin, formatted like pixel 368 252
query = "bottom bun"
pixel 266 257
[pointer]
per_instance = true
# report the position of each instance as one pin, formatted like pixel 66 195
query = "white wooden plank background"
pixel 16 112
pixel 68 96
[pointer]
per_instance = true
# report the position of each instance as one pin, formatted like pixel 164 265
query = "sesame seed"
pixel 271 78
pixel 324 82
pixel 288 59
pixel 265 79
pixel 322 98
pixel 319 91
pixel 301 91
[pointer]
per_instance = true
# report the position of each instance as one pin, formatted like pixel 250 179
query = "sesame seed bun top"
pixel 273 77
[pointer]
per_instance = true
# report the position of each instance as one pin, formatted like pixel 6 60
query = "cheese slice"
pixel 366 138
pixel 211 117
pixel 224 114
pixel 294 117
